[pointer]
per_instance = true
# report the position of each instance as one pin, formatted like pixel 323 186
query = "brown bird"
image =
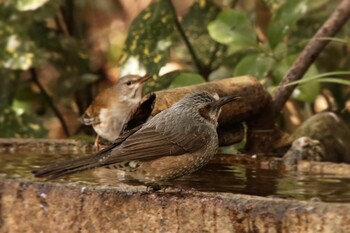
pixel 111 108
pixel 175 142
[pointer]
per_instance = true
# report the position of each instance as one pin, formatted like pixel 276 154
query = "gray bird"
pixel 111 108
pixel 175 142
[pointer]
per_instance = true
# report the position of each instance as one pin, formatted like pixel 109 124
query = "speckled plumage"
pixel 177 141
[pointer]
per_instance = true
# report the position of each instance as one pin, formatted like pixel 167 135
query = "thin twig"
pixel 178 26
pixel 66 11
pixel 61 24
pixel 49 101
pixel 333 24
pixel 213 55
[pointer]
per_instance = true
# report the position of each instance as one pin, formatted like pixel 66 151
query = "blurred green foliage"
pixel 149 39
pixel 233 28
pixel 26 42
pixel 239 51
pixel 212 41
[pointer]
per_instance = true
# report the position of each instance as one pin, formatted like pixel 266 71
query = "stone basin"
pixel 214 199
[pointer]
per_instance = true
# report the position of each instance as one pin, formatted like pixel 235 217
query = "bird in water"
pixel 175 142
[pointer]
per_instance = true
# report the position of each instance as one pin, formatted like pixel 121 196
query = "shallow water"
pixel 238 178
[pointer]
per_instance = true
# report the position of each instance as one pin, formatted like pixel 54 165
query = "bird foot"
pixel 154 188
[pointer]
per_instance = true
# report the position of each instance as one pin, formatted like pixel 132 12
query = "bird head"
pixel 207 104
pixel 130 87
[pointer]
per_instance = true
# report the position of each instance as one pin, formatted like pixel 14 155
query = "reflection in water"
pixel 243 179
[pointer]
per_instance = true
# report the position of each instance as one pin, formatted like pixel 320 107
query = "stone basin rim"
pixel 169 191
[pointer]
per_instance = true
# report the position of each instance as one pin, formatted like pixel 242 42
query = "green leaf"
pixel 160 83
pixel 284 20
pixel 233 28
pixel 333 80
pixel 186 79
pixel 200 14
pixel 281 69
pixel 308 92
pixel 321 78
pixel 257 65
pixel 149 39
pixel 172 80
pixel 28 5
pixel 17 52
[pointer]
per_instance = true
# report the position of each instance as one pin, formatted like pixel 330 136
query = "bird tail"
pixel 58 169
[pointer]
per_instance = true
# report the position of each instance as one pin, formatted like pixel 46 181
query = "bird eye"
pixel 128 83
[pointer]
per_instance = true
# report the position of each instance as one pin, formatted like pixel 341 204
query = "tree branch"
pixel 332 25
pixel 61 24
pixel 178 26
pixel 49 101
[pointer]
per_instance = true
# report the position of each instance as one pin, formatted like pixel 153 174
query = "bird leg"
pixel 96 143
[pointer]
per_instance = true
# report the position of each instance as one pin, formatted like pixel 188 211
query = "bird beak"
pixel 224 100
pixel 144 78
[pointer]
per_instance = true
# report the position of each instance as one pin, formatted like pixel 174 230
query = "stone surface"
pixel 52 207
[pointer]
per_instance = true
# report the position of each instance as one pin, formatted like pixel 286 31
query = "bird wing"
pixel 102 101
pixel 153 140
pixel 87 119
pixel 151 143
